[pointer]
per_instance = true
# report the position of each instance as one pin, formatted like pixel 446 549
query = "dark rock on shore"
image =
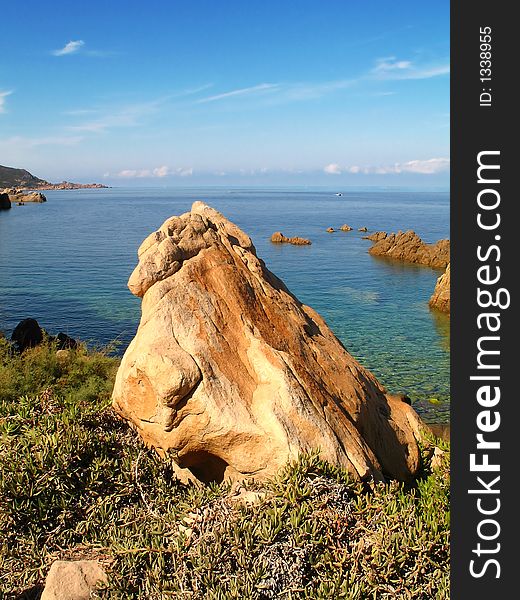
pixel 5 202
pixel 27 334
pixel 65 342
pixel 409 247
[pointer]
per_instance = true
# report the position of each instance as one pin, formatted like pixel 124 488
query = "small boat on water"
pixel 339 194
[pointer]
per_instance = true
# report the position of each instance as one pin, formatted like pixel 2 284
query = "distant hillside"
pixel 19 178
pixel 22 179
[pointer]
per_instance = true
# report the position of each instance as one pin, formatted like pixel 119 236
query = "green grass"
pixel 76 482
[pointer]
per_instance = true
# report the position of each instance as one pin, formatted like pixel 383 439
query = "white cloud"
pixel 262 87
pixel 134 173
pixel 333 169
pixel 163 171
pixel 429 166
pixel 182 172
pixel 71 47
pixel 158 172
pixel 3 96
pixel 426 167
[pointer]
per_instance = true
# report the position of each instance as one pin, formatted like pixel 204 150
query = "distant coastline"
pixel 21 179
pixel 65 185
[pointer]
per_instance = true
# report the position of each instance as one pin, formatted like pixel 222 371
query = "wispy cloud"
pixel 71 47
pixel 248 91
pixel 126 116
pixel 429 166
pixel 385 69
pixel 390 68
pixel 26 143
pixel 3 96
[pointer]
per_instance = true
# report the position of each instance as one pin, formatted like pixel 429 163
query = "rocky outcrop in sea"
pixel 279 238
pixel 231 375
pixel 17 196
pixel 409 247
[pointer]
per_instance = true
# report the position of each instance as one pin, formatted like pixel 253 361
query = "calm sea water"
pixel 66 264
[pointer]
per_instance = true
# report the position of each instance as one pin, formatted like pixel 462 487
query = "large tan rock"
pixel 19 195
pixel 73 579
pixel 440 299
pixel 233 376
pixel 409 247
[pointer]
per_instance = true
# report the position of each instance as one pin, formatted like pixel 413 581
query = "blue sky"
pixel 328 92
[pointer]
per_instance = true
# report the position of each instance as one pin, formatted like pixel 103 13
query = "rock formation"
pixel 232 376
pixel 364 229
pixel 5 202
pixel 279 238
pixel 18 195
pixel 345 227
pixel 409 247
pixel 330 229
pixel 440 299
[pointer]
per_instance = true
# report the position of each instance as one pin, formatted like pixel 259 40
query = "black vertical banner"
pixel 484 321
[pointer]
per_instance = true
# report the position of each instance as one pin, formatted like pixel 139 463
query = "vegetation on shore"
pixel 77 482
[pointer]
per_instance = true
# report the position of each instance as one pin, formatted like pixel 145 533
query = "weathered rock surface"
pixel 5 202
pixel 345 227
pixel 440 299
pixel 279 238
pixel 233 376
pixel 18 195
pixel 409 247
pixel 73 580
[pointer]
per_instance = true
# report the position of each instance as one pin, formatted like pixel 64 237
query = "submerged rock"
pixel 330 229
pixel 345 227
pixel 363 229
pixel 232 376
pixel 409 247
pixel 440 299
pixel 279 238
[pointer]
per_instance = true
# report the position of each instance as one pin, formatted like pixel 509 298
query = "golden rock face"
pixel 233 376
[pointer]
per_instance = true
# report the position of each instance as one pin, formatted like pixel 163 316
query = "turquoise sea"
pixel 66 264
